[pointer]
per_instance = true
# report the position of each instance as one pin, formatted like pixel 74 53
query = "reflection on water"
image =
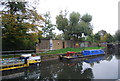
pixel 102 67
pixel 65 70
pixel 32 72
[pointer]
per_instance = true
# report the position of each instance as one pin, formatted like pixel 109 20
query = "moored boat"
pixel 14 63
pixel 68 55
pixel 85 53
pixel 93 52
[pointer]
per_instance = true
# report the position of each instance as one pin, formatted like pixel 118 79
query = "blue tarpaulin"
pixel 92 52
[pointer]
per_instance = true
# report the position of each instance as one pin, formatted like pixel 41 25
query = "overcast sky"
pixel 104 12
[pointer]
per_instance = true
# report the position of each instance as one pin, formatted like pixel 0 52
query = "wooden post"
pixel 27 62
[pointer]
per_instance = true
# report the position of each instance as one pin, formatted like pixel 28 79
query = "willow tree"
pixel 87 30
pixel 74 29
pixel 79 25
pixel 19 26
pixel 74 26
pixel 62 23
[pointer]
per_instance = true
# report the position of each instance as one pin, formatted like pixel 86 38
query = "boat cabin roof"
pixel 94 50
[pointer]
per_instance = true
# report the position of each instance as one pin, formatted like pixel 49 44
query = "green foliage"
pixel 97 37
pixel 90 38
pixel 108 38
pixel 48 27
pixel 62 23
pixel 74 26
pixel 103 36
pixel 102 32
pixel 74 18
pixel 59 37
pixel 86 18
pixel 19 27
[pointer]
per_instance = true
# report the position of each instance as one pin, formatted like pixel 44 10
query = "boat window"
pixel 92 51
pixel 4 67
pixel 17 65
pixel 37 60
pixel 71 53
pixel 86 51
pixel 99 51
pixel 10 66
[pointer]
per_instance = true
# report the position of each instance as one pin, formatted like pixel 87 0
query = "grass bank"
pixel 62 51
pixel 59 51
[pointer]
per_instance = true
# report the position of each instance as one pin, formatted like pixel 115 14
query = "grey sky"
pixel 104 12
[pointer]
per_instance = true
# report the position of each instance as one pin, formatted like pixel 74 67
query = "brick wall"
pixel 43 46
pixel 59 44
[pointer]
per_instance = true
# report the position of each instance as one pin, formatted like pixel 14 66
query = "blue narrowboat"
pixel 92 52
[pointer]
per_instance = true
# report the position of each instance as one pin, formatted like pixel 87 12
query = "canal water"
pixel 98 67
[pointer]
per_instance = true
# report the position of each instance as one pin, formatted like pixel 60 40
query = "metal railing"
pixel 18 51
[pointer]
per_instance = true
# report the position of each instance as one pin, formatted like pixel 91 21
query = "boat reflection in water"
pixel 31 72
pixel 69 69
pixel 81 68
pixel 97 59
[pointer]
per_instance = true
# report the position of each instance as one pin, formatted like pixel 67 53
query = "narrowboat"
pixel 85 53
pixel 68 55
pixel 92 52
pixel 14 63
pixel 32 59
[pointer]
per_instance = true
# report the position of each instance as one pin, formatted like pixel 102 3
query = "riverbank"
pixel 53 54
pixel 65 50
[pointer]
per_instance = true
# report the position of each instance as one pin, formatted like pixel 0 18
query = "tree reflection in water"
pixel 72 69
pixel 66 70
pixel 56 69
pixel 28 73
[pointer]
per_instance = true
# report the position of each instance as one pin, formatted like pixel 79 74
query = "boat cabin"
pixel 92 52
pixel 70 53
pixel 24 61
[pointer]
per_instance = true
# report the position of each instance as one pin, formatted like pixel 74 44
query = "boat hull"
pixel 85 53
